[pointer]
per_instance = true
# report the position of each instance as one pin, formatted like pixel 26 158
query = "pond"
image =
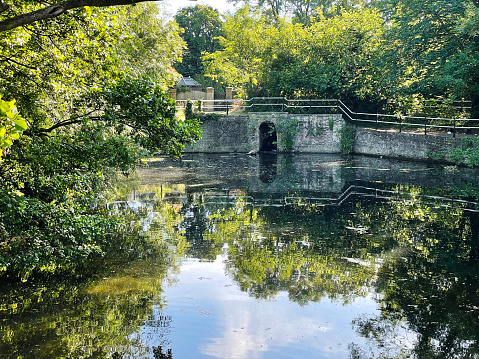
pixel 272 256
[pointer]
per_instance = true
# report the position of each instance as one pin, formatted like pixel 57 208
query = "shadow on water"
pixel 391 246
pixel 268 163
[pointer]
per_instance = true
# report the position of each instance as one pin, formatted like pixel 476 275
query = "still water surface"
pixel 307 256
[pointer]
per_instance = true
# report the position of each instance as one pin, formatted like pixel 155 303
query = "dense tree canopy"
pixel 433 49
pixel 202 26
pixel 398 52
pixel 332 57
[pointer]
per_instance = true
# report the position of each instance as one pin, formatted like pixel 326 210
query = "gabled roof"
pixel 188 81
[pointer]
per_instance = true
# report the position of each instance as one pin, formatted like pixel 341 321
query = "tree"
pixel 30 13
pixel 202 27
pixel 337 58
pixel 433 50
pixel 246 52
pixel 303 10
pixel 149 45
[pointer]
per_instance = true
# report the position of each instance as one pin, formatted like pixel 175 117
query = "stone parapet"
pixel 294 133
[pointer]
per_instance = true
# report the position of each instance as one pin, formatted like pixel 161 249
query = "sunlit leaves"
pixel 432 49
pixel 247 52
pixel 148 44
pixel 335 57
pixel 12 124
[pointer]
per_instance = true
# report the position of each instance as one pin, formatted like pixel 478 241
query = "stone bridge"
pixel 270 132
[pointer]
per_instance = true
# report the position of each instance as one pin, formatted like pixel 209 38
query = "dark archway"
pixel 267 137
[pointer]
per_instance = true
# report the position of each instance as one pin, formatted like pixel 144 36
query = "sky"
pixel 172 6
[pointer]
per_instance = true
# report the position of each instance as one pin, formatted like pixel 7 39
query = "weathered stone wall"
pixel 295 133
pixel 403 145
pixel 225 135
pixel 316 134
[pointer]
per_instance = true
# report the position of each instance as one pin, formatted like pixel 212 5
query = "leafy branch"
pixel 55 10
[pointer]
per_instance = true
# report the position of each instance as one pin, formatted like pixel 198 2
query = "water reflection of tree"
pixel 305 251
pixel 195 225
pixel 430 284
pixel 78 318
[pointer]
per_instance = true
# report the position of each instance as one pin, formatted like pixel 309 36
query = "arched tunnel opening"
pixel 267 137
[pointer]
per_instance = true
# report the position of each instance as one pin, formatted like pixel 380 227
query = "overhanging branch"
pixel 56 10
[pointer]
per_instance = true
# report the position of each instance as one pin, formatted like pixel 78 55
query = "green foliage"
pixel 189 114
pixel 246 52
pixel 141 109
pixel 199 116
pixel 331 58
pixel 335 57
pixel 331 124
pixel 468 154
pixel 347 138
pixel 435 155
pixel 432 49
pixel 287 131
pixel 149 45
pixel 12 124
pixel 201 26
pixel 36 236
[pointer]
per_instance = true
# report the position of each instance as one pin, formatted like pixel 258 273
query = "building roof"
pixel 188 81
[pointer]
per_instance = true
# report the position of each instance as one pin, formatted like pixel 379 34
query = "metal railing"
pixel 335 106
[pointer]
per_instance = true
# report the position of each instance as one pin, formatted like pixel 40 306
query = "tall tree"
pixel 91 115
pixel 243 61
pixel 303 10
pixel 333 57
pixel 149 44
pixel 202 26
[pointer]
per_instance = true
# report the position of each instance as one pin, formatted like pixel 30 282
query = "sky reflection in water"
pixel 213 319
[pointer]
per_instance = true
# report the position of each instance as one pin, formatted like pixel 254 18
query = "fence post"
pixel 377 119
pixel 173 94
pixel 454 130
pixel 210 96
pixel 425 126
pixel 229 96
pixel 400 124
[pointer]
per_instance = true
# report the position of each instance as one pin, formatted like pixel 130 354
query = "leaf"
pixel 21 124
pixel 7 142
